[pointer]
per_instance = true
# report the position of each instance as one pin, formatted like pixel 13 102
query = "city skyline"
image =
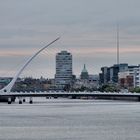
pixel 87 30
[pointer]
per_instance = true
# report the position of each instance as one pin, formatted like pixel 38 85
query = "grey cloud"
pixel 25 24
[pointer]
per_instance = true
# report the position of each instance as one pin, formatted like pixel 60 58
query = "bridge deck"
pixel 61 94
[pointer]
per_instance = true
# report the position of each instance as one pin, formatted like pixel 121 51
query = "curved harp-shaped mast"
pixel 8 88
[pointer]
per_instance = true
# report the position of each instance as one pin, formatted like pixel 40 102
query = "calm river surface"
pixel 66 119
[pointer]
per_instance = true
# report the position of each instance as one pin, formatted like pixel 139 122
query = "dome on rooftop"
pixel 84 73
pixel 84 69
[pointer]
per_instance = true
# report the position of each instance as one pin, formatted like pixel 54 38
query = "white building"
pixel 63 74
pixel 136 73
pixel 132 71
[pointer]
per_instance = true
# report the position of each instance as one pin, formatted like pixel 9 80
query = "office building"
pixel 109 75
pixel 63 76
pixel 105 75
pixel 126 79
pixel 130 78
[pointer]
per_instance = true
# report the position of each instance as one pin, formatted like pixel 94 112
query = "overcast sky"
pixel 87 29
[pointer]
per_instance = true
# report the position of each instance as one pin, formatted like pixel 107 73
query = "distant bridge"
pixel 73 95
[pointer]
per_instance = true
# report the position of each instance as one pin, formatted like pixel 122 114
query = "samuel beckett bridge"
pixel 6 93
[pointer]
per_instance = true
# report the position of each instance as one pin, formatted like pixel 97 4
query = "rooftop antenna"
pixel 118 46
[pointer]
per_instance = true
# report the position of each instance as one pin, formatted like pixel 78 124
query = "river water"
pixel 67 119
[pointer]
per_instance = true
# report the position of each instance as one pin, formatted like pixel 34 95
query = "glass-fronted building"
pixel 63 76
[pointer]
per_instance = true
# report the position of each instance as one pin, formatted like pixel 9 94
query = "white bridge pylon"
pixel 8 88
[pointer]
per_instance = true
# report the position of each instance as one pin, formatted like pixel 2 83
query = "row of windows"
pixel 64 69
pixel 63 76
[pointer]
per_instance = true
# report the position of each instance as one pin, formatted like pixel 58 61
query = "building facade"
pixel 130 78
pixel 63 76
pixel 126 79
pixel 136 77
pixel 105 75
pixel 109 75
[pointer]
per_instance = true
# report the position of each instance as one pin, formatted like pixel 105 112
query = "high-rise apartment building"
pixel 63 76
